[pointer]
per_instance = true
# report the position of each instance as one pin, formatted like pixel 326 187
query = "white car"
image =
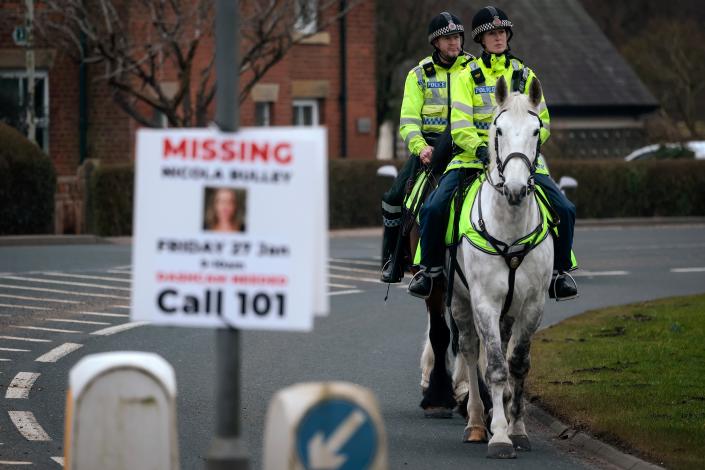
pixel 648 152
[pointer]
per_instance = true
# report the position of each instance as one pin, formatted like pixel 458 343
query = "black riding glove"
pixel 483 154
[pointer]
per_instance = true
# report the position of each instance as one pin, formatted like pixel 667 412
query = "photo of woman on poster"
pixel 225 210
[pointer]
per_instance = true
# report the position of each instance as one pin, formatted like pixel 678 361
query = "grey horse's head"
pixel 515 139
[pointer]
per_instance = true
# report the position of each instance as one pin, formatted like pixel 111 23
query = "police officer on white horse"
pixel 473 107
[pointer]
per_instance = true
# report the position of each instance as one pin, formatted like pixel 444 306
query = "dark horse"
pixel 441 393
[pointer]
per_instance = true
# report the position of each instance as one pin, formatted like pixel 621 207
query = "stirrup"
pixel 421 273
pixel 553 286
pixel 397 275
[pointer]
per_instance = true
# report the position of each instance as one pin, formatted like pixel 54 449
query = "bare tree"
pixel 401 42
pixel 669 57
pixel 159 54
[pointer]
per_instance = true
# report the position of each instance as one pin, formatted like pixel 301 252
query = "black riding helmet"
pixel 490 18
pixel 445 24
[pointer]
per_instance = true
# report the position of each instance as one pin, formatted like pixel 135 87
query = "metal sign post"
pixel 29 105
pixel 227 450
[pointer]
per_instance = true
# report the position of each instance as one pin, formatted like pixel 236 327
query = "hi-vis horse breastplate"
pixel 468 230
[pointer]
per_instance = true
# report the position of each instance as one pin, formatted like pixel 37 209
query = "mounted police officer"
pixel 472 109
pixel 425 114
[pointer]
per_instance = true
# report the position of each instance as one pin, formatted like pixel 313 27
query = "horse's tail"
pixel 485 395
pixel 482 362
pixel 455 335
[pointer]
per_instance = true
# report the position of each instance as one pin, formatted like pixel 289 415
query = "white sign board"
pixel 230 229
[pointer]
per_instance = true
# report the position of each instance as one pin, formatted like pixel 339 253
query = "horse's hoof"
pixel 501 450
pixel 438 413
pixel 475 434
pixel 521 442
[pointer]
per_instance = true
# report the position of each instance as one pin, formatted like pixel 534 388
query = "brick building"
pixel 326 79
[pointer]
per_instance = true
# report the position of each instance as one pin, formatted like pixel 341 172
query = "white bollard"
pixel 121 413
pixel 324 426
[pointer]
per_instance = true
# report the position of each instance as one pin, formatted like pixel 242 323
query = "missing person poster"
pixel 230 229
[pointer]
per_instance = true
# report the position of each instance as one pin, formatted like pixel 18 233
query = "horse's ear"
pixel 535 93
pixel 501 91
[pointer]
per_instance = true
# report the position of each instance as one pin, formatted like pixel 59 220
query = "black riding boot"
pixel 562 287
pixel 391 265
pixel 422 283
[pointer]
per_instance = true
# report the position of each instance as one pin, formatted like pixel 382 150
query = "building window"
pixel 306 113
pixel 306 14
pixel 263 113
pixel 13 96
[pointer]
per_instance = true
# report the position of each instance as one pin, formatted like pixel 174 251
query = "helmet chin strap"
pixel 447 60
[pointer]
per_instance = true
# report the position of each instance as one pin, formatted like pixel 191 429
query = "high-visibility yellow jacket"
pixel 425 109
pixel 474 102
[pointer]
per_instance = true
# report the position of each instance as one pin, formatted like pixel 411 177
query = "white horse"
pixel 502 307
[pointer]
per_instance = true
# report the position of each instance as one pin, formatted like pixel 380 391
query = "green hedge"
pixel 605 189
pixel 111 196
pixel 635 189
pixel 355 192
pixel 27 186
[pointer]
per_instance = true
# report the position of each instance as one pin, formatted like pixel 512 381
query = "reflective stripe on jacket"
pixel 473 105
pixel 425 109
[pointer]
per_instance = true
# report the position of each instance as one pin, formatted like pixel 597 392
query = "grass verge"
pixel 632 375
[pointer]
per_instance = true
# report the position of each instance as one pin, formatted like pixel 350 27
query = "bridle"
pixel 531 165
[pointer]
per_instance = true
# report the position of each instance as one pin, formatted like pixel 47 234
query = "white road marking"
pixel 355 270
pixel 583 273
pixel 688 270
pixel 351 278
pixel 660 247
pixel 37 299
pixel 115 271
pixel 119 328
pixel 5 360
pixel 24 307
pixel 127 267
pixel 85 276
pixel 39 328
pixel 83 322
pixel 102 314
pixel 14 462
pixel 14 350
pixel 59 460
pixel 121 307
pixel 21 385
pixel 59 352
pixel 341 286
pixel 27 425
pixel 31 340
pixel 344 292
pixel 58 291
pixel 358 262
pixel 66 283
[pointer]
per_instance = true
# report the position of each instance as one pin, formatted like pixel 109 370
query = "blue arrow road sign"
pixel 336 434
